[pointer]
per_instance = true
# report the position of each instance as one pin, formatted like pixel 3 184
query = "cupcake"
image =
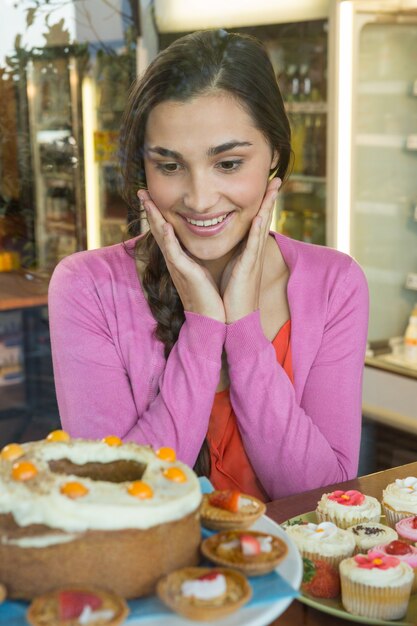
pixel 407 529
pixel 367 535
pixel 251 552
pixel 347 508
pixel 77 605
pixel 201 593
pixel 399 500
pixel 324 541
pixel 404 552
pixel 228 509
pixel 375 585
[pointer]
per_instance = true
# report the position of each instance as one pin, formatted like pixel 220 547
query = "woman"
pixel 240 348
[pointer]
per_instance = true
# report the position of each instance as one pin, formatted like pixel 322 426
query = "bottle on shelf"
pixel 410 339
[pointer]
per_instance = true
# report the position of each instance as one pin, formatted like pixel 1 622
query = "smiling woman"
pixel 240 348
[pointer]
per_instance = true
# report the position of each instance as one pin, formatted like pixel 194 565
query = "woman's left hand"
pixel 241 280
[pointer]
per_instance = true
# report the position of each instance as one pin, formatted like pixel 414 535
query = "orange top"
pixel 230 465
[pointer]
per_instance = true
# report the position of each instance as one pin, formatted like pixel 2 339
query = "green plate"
pixel 335 607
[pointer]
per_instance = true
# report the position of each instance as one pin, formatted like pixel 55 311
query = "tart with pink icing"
pixel 399 500
pixel 251 552
pixel 347 508
pixel 324 541
pixel 405 553
pixel 229 509
pixel 201 593
pixel 407 529
pixel 376 585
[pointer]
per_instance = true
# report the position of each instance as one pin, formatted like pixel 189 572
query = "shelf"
pixel 306 107
pixel 308 179
pixel 391 363
pixel 20 290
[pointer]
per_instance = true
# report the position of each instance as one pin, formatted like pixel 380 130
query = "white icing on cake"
pixel 370 534
pixel 401 495
pixel 369 509
pixel 107 506
pixel 392 577
pixel 204 589
pixel 325 538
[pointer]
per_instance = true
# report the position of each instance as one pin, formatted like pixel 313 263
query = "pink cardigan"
pixel 111 376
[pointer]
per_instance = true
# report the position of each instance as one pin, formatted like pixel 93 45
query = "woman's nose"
pixel 200 194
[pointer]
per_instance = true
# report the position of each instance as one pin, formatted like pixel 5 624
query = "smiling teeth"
pixel 213 222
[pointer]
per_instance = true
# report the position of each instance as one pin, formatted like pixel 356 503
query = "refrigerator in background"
pixel 372 183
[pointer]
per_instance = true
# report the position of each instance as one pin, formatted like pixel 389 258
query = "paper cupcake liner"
pixel 331 560
pixel 392 517
pixel 375 602
pixel 342 523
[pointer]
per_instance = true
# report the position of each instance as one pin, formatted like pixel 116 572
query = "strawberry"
pixel 227 499
pixel 250 545
pixel 396 548
pixel 72 603
pixel 320 579
pixel 209 576
pixel 414 522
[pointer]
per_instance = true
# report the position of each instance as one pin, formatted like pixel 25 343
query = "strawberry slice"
pixel 72 603
pixel 414 522
pixel 250 545
pixel 227 499
pixel 397 548
pixel 209 576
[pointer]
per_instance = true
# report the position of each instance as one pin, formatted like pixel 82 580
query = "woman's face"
pixel 207 168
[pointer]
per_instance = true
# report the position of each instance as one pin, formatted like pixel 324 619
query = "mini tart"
pixel 218 518
pixel 44 610
pixel 238 593
pixel 251 565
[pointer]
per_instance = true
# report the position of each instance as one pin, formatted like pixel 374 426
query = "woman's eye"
pixel 230 166
pixel 168 168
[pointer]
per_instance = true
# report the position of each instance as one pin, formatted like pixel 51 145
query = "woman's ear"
pixel 275 160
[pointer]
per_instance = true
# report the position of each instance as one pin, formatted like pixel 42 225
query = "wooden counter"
pixel 20 289
pixel 280 510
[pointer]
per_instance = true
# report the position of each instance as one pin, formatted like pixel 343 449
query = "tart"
pixel 202 593
pixel 227 509
pixel 251 552
pixel 75 605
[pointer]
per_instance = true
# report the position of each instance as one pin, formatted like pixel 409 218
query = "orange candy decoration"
pixel 166 454
pixel 23 470
pixel 175 474
pixel 140 490
pixel 11 452
pixel 58 435
pixel 112 440
pixel 73 490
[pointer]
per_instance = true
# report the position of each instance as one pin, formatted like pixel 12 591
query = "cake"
pixel 399 500
pixel 407 529
pixel 347 508
pixel 403 551
pixel 77 605
pixel 201 593
pixel 228 509
pixel 375 586
pixel 367 535
pixel 324 541
pixel 95 513
pixel 251 552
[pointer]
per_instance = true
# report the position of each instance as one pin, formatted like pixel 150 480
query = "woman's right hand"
pixel 195 285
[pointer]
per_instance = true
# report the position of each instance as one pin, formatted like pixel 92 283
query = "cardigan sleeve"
pixel 297 446
pixel 94 386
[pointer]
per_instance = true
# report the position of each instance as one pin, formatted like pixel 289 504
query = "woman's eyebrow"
pixel 224 147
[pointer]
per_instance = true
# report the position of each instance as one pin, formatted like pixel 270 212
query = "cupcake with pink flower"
pixel 405 553
pixel 324 541
pixel 347 508
pixel 399 500
pixel 375 585
pixel 407 529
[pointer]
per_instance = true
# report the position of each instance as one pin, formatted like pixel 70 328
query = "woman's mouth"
pixel 208 227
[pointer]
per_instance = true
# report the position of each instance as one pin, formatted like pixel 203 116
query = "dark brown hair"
pixel 194 65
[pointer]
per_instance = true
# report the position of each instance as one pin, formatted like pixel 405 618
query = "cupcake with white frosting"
pixel 324 541
pixel 376 586
pixel 367 535
pixel 399 500
pixel 404 552
pixel 347 508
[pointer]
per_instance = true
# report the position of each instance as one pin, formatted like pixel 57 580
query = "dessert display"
pixel 323 541
pixel 320 579
pixel 376 586
pixel 75 605
pixel 228 509
pixel 399 500
pixel 347 508
pixel 403 551
pixel 407 529
pixel 254 553
pixel 367 535
pixel 95 513
pixel 201 593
